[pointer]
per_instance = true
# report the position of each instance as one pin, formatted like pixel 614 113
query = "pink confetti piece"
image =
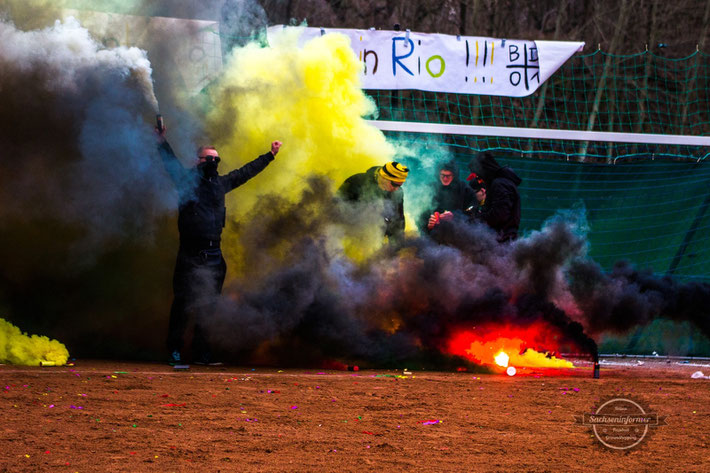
pixel 294 407
pixel 429 422
pixel 75 407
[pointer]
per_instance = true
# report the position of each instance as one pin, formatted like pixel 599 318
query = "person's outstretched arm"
pixel 239 176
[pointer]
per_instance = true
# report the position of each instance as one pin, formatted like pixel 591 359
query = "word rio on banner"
pixel 444 63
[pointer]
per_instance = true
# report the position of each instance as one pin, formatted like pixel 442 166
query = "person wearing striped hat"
pixel 381 183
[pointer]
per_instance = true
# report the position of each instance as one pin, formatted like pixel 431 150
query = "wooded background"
pixel 672 29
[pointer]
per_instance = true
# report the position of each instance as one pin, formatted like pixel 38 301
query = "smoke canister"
pixel 47 363
pixel 596 370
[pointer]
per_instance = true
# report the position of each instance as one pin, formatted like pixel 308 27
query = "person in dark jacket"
pixel 478 187
pixel 200 268
pixel 381 183
pixel 501 210
pixel 451 198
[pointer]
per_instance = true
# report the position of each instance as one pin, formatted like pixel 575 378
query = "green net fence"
pixel 639 93
pixel 645 203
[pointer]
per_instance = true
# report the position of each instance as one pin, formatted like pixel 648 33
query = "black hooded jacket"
pixel 201 209
pixel 501 210
pixel 456 197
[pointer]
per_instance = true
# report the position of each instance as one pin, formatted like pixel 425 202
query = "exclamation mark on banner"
pixel 467 57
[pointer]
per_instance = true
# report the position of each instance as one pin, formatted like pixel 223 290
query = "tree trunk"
pixel 643 98
pixel 690 81
pixel 541 100
pixel 616 39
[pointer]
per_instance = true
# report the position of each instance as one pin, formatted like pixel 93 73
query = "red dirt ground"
pixel 116 416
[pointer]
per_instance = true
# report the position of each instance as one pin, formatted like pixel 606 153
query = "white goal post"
pixel 511 132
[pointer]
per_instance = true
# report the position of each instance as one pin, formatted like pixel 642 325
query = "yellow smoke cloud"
pixel 308 97
pixel 17 348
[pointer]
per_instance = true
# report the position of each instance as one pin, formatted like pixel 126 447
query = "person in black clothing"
pixel 200 268
pixel 478 187
pixel 381 183
pixel 501 208
pixel 451 198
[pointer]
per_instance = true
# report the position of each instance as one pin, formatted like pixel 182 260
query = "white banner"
pixel 444 63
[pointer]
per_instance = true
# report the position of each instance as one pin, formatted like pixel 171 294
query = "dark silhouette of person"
pixel 200 268
pixel 501 208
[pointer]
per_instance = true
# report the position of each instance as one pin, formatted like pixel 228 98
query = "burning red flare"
pixel 509 346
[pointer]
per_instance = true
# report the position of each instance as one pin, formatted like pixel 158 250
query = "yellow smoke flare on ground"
pixel 17 348
pixel 309 98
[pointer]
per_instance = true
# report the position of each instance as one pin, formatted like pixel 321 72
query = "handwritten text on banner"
pixel 458 64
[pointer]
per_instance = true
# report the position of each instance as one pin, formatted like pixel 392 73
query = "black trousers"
pixel 197 285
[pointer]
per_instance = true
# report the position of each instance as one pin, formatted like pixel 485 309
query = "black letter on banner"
pixel 515 81
pixel 527 67
pixel 513 51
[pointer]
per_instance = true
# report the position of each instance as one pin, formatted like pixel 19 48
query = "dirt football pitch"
pixel 131 417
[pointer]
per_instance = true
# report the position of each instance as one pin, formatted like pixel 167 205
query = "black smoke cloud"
pixel 401 305
pixel 76 147
pixel 81 203
pixel 313 304
pixel 88 240
pixel 627 298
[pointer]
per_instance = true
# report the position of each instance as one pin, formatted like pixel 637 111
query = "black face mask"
pixel 208 168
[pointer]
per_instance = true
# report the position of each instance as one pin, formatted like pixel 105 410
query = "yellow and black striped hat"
pixel 394 171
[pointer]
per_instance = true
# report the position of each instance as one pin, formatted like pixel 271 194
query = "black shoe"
pixel 206 360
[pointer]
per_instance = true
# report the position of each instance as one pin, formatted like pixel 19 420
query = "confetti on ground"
pixel 429 422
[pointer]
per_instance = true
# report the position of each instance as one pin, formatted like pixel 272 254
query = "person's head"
pixel 484 165
pixel 207 161
pixel 448 172
pixel 207 153
pixel 478 186
pixel 446 177
pixel 391 176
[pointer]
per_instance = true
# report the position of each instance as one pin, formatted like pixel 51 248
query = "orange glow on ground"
pixel 509 346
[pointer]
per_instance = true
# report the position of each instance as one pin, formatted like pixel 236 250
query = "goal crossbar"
pixel 540 133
